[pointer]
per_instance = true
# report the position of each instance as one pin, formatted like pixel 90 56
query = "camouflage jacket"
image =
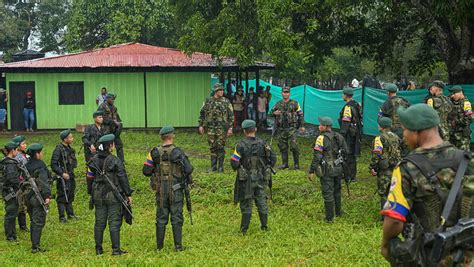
pixel 389 109
pixel 110 115
pixel 216 113
pixel 291 114
pixel 442 104
pixel 461 116
pixel 385 151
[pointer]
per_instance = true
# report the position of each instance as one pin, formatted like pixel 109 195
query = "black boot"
pixel 160 236
pixel 61 211
pixel 22 221
pixel 115 238
pixel 98 237
pixel 35 235
pixel 213 164
pixel 10 231
pixel 296 159
pixel 178 237
pixel 244 225
pixel 329 208
pixel 284 161
pixel 70 211
pixel 220 162
pixel 338 205
pixel 263 221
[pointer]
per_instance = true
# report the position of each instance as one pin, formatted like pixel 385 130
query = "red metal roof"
pixel 127 55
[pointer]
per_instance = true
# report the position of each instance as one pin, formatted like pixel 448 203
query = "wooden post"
pixel 257 80
pixel 246 82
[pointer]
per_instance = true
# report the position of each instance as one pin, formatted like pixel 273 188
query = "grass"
pixel 297 235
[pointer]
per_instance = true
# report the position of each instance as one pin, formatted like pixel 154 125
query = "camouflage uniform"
pixel 113 125
pixel 443 106
pixel 251 159
pixel 217 116
pixel 290 120
pixel 11 185
pixel 389 109
pixel 350 121
pixel 22 159
pixel 385 156
pixel 460 120
pixel 329 146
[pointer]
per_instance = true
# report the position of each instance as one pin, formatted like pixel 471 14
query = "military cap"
pixel 391 87
pixel 348 91
pixel 111 95
pixel 385 122
pixel 285 89
pixel 18 139
pixel 455 89
pixel 437 83
pixel 64 134
pixel 166 130
pixel 418 117
pixel 218 86
pixel 35 147
pixel 325 121
pixel 97 113
pixel 11 145
pixel 248 124
pixel 106 138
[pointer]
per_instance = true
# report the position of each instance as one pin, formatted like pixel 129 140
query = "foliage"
pixel 297 234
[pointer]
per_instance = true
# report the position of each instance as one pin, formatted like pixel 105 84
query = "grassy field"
pixel 297 234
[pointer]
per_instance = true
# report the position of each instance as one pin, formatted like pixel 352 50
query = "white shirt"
pixel 355 83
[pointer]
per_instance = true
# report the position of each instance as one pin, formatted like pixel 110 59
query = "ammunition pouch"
pixel 11 195
pixel 407 252
pixel 154 182
pixel 319 170
pixel 243 174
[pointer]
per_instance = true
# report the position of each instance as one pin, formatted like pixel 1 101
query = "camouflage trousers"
pixel 461 140
pixel 216 138
pixel 285 136
pixel 383 182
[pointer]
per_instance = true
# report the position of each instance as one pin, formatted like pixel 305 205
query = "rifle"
pixel 63 182
pixel 34 187
pixel 340 160
pixel 187 181
pixel 459 237
pixel 270 181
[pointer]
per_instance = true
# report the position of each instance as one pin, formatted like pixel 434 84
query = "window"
pixel 71 93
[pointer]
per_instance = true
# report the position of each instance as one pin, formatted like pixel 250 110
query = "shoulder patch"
pixel 430 102
pixel 467 108
pixel 347 114
pixel 378 146
pixel 319 144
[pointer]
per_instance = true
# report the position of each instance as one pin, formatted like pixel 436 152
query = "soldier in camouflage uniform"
pixel 39 171
pixel 414 197
pixel 329 151
pixel 350 122
pixel 92 133
pixel 11 184
pixel 63 163
pixel 460 119
pixel 442 104
pixel 217 118
pixel 288 119
pixel 385 156
pixel 170 172
pixel 22 159
pixel 112 123
pixel 252 158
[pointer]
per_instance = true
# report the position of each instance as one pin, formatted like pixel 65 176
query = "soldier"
pixel 112 123
pixel 39 171
pixel 11 185
pixel 104 167
pixel 385 156
pixel 288 118
pixel 460 119
pixel 350 121
pixel 252 157
pixel 420 186
pixel 329 152
pixel 217 118
pixel 63 163
pixel 442 105
pixel 92 133
pixel 22 159
pixel 170 172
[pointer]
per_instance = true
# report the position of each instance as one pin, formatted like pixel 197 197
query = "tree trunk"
pixel 461 64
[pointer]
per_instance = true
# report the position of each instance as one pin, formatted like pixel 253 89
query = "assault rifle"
pixel 457 238
pixel 34 187
pixel 187 181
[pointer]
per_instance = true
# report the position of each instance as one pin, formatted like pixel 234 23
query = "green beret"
pixel 64 134
pixel 218 86
pixel 18 139
pixel 348 91
pixel 391 87
pixel 106 138
pixel 325 121
pixel 248 124
pixel 418 117
pixel 111 95
pixel 437 83
pixel 35 147
pixel 285 89
pixel 97 113
pixel 385 122
pixel 455 89
pixel 166 130
pixel 11 145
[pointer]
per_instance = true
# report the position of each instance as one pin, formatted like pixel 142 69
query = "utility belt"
pixel 215 124
pixel 253 174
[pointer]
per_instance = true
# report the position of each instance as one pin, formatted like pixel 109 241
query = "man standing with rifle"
pixel 112 122
pixel 170 172
pixel 92 133
pixel 111 194
pixel 22 159
pixel 10 180
pixel 251 159
pixel 63 163
pixel 328 158
pixel 431 191
pixel 39 194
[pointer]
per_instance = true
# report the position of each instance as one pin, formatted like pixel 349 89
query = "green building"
pixel 155 86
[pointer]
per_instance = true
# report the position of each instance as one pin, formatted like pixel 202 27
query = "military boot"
pixel 284 161
pixel 160 236
pixel 10 231
pixel 329 208
pixel 178 236
pixel 98 237
pixel 263 221
pixel 220 168
pixel 61 211
pixel 115 238
pixel 213 164
pixel 296 159
pixel 35 236
pixel 338 206
pixel 244 225
pixel 22 221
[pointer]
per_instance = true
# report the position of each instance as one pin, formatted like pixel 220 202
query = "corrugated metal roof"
pixel 128 55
